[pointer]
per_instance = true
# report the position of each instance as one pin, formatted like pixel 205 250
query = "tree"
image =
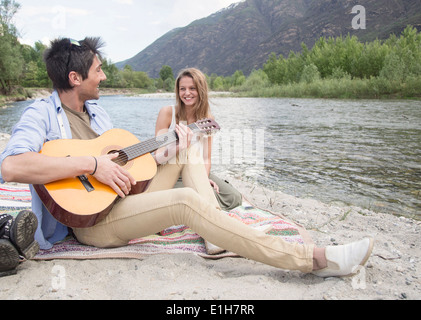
pixel 112 73
pixel 218 84
pixel 169 84
pixel 127 78
pixel 11 60
pixel 35 71
pixel 8 9
pixel 310 74
pixel 166 73
pixel 394 68
pixel 238 78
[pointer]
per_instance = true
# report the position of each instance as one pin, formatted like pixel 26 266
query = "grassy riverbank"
pixel 258 86
pixel 343 88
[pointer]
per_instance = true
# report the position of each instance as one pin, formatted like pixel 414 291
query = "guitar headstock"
pixel 207 126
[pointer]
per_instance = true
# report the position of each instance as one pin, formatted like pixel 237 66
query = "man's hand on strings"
pixel 112 174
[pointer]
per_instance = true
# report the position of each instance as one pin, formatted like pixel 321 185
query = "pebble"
pixel 399 269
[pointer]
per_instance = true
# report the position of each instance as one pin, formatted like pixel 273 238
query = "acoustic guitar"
pixel 83 201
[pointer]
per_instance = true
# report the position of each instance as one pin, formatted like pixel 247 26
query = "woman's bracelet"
pixel 96 166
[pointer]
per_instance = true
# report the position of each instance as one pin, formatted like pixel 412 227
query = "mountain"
pixel 242 36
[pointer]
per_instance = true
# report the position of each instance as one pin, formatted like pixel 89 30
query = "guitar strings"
pixel 131 152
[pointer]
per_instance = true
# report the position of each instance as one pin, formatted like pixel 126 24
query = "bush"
pixel 310 74
pixel 394 68
pixel 257 80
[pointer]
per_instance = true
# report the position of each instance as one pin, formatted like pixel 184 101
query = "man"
pixel 42 122
pixel 75 69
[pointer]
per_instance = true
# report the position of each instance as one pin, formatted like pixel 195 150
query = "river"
pixel 359 152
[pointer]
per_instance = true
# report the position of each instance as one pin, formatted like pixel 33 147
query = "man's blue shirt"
pixel 38 124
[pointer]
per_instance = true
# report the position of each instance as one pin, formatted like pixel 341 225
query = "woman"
pixel 191 91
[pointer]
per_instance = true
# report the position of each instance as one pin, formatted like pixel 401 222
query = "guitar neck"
pixel 153 144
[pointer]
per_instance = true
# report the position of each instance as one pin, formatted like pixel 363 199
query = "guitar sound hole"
pixel 122 158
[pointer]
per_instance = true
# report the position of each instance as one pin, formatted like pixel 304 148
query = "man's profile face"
pixel 89 89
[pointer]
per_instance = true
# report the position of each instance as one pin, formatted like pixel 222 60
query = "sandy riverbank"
pixel 393 271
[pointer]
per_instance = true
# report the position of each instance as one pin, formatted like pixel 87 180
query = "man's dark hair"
pixel 67 55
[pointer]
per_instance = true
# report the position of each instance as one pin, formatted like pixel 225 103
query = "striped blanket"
pixel 177 239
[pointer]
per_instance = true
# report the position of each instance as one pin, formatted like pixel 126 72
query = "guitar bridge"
pixel 85 182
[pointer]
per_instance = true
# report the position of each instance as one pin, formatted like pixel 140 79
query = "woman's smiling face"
pixel 188 91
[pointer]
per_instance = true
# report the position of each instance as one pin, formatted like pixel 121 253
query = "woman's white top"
pixel 173 122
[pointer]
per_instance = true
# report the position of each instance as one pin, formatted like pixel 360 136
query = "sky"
pixel 126 26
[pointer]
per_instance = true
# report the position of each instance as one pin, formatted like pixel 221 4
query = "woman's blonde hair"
pixel 202 107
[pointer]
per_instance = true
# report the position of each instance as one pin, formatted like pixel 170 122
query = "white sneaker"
pixel 346 260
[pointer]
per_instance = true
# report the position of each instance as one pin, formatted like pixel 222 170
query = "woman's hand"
pixel 185 136
pixel 214 185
